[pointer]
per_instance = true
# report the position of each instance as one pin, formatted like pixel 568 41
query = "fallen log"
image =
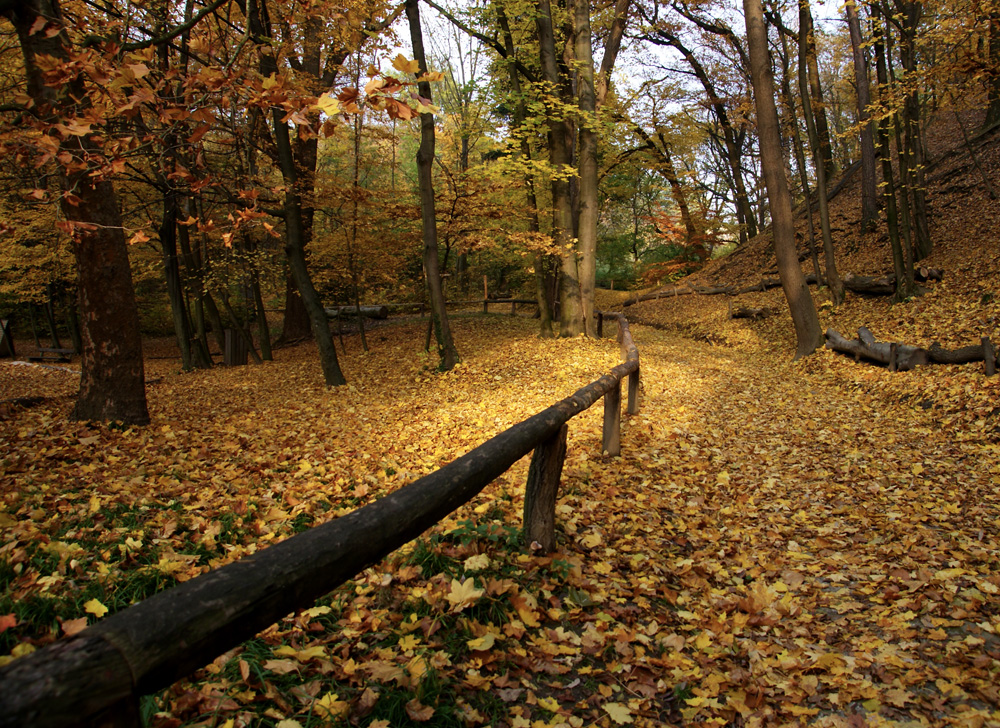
pixel 375 312
pixel 754 314
pixel 902 357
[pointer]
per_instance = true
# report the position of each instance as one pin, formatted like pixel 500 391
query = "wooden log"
pixel 373 312
pixel 754 314
pixel 154 643
pixel 866 347
pixel 541 491
pixel 963 355
pixel 611 441
pixel 633 393
pixel 870 286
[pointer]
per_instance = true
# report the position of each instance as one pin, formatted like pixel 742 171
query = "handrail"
pixel 96 676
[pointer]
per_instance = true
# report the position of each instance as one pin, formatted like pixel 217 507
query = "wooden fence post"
pixel 633 392
pixel 541 490
pixel 600 325
pixel 612 441
pixel 989 357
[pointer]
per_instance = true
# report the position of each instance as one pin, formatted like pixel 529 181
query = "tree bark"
pixel 869 192
pixel 902 272
pixel 800 303
pixel 819 163
pixel 447 352
pixel 819 107
pixel 587 163
pixel 112 382
pixel 800 154
pixel 559 143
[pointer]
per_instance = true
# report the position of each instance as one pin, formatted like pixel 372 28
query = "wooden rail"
pixel 95 677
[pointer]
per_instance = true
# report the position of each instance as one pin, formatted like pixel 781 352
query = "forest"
pixel 493 363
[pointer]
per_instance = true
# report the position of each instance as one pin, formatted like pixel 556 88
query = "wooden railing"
pixel 97 676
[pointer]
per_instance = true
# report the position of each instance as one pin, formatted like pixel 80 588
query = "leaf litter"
pixel 778 544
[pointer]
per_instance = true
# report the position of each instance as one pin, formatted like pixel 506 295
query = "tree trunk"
pixel 869 192
pixel 815 143
pixel 172 272
pixel 587 163
pixel 50 316
pixel 800 155
pixel 559 142
pixel 804 317
pixel 819 107
pixel 520 114
pixel 447 352
pixel 993 95
pixel 295 325
pixel 260 27
pixel 112 381
pixel 902 272
pixel 911 11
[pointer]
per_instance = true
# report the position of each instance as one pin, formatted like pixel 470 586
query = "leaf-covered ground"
pixel 779 543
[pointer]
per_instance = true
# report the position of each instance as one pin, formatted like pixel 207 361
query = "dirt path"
pixel 825 558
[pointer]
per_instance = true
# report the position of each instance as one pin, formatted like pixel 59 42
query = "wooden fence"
pixel 95 678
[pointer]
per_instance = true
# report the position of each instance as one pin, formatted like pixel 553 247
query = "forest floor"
pixel 779 543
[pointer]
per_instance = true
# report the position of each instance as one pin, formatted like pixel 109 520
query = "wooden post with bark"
pixel 541 490
pixel 611 441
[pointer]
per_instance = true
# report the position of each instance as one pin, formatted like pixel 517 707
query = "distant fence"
pixel 95 678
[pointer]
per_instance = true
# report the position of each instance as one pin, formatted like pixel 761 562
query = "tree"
pixel 804 317
pixel 447 352
pixel 869 194
pixel 259 25
pixel 112 382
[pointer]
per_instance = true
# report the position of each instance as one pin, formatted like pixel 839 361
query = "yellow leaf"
pixel 329 707
pixel 96 608
pixel 619 713
pixel 463 594
pixel 477 562
pixel 409 642
pixel 703 641
pixel 483 643
pixel 550 704
pixel 401 64
pixel 270 82
pixel 328 105
pixel 315 612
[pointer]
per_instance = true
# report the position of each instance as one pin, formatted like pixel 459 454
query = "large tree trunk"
pixel 807 329
pixel 112 382
pixel 425 159
pixel 911 11
pixel 869 192
pixel 587 163
pixel 800 154
pixel 815 143
pixel 559 142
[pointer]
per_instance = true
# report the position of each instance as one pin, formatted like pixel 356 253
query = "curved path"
pixel 822 557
